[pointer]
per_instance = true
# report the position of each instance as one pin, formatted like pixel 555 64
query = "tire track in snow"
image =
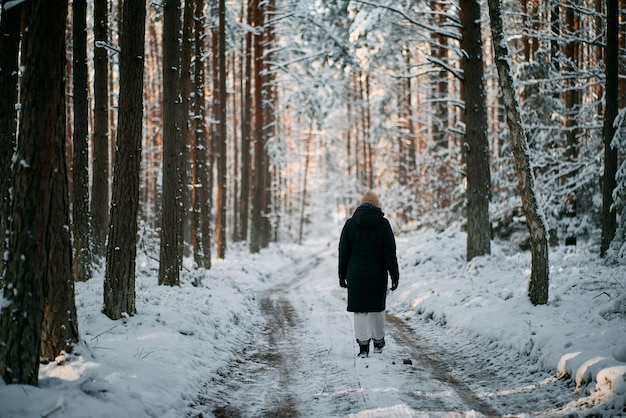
pixel 406 336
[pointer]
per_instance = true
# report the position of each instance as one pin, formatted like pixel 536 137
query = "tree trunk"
pixel 246 131
pixel 358 101
pixel 368 136
pixel 100 168
pixel 119 281
pixel 60 323
pixel 410 148
pixel 169 261
pixel 39 156
pixel 307 159
pixel 184 124
pixel 220 95
pixel 571 95
pixel 80 166
pixel 571 101
pixel 214 118
pixel 439 120
pixel 609 216
pixel 236 66
pixel 269 119
pixel 536 223
pixel 9 45
pixel 256 218
pixel 201 215
pixel 202 209
pixel 555 31
pixel 476 145
pixel 154 125
pixel 529 14
pixel 622 45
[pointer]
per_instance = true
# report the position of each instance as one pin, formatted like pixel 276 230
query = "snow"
pixel 183 339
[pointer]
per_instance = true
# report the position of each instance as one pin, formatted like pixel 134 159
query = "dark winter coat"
pixel 367 251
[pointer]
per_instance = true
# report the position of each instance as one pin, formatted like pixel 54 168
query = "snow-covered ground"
pixel 182 339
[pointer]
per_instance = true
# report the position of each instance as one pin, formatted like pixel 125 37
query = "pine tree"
pixel 81 225
pixel 39 197
pixel 119 281
pixel 169 261
pixel 535 219
pixel 475 146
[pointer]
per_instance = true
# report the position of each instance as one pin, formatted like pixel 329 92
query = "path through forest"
pixel 303 363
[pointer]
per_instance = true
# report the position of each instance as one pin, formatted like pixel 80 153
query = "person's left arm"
pixel 389 254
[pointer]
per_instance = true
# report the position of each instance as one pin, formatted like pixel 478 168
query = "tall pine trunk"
pixel 119 281
pixel 220 96
pixel 246 130
pixel 39 169
pixel 184 122
pixel 100 169
pixel 535 219
pixel 60 322
pixel 258 192
pixel 202 209
pixel 476 145
pixel 439 51
pixel 169 260
pixel 609 216
pixel 81 224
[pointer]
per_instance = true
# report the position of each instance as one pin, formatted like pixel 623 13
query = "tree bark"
pixel 236 64
pixel 476 145
pixel 60 322
pixel 100 187
pixel 80 166
pixel 169 261
pixel 184 122
pixel 119 281
pixel 609 215
pixel 202 209
pixel 258 192
pixel 535 219
pixel 38 170
pixel 10 31
pixel 269 119
pixel 439 122
pixel 572 97
pixel 303 201
pixel 220 95
pixel 555 31
pixel 529 14
pixel 246 131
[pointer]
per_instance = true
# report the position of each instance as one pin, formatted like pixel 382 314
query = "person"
pixel 367 257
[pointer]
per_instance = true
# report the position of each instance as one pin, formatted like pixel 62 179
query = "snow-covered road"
pixel 303 363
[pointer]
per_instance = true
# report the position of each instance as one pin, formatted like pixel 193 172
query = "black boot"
pixel 364 348
pixel 378 345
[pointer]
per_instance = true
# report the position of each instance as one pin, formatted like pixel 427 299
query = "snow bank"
pixel 153 364
pixel 574 335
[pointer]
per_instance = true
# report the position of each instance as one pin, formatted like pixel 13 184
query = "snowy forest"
pixel 189 130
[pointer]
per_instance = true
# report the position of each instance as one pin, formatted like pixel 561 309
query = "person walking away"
pixel 367 257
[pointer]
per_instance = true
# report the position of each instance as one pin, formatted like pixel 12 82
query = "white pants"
pixel 369 325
